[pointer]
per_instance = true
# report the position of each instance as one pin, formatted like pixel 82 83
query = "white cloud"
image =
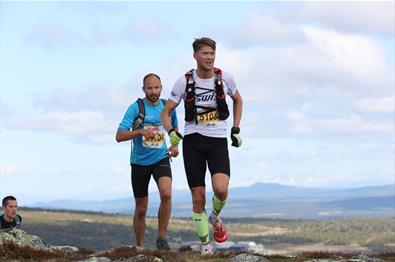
pixel 307 161
pixel 375 105
pixel 357 55
pixel 149 30
pixel 92 114
pixel 282 24
pixel 75 123
pixel 330 72
pixel 261 29
pixel 371 17
pixel 105 96
pixel 329 64
pixel 51 35
pixel 348 124
pixel 141 30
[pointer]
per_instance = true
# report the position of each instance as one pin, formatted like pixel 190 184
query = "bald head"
pixel 152 87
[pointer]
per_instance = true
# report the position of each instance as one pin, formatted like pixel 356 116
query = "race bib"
pixel 157 140
pixel 209 117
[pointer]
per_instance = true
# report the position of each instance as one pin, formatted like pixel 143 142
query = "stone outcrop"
pixel 21 238
pixel 248 258
pixel 359 258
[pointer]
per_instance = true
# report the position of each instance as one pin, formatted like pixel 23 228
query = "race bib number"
pixel 157 140
pixel 209 117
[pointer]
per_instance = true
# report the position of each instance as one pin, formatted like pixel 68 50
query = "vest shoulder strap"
pixel 218 78
pixel 189 73
pixel 17 220
pixel 140 103
pixel 138 121
pixel 218 73
pixel 189 78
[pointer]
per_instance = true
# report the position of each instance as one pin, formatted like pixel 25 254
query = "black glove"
pixel 234 135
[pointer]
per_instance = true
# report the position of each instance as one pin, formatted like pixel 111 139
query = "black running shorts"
pixel 197 151
pixel 141 175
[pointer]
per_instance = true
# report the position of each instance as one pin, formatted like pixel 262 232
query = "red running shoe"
pixel 219 229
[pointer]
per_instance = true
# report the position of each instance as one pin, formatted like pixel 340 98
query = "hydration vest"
pixel 139 120
pixel 18 222
pixel 190 95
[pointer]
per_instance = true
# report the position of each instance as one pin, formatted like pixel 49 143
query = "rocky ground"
pixel 17 245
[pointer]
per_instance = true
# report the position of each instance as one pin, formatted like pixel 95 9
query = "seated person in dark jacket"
pixel 10 219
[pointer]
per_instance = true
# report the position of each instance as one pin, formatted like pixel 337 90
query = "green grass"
pixel 102 231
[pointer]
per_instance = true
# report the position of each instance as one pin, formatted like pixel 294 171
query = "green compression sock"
pixel 201 224
pixel 218 205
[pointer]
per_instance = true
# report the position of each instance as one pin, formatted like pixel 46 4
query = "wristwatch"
pixel 235 130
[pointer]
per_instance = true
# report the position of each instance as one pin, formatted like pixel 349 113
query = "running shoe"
pixel 219 229
pixel 162 244
pixel 206 250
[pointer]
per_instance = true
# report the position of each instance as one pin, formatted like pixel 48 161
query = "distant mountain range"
pixel 264 200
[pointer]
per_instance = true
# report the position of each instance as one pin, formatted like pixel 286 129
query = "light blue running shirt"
pixel 147 151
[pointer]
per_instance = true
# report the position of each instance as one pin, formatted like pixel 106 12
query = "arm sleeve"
pixel 177 93
pixel 174 120
pixel 128 118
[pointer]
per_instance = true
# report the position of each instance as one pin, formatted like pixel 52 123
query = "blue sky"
pixel 317 80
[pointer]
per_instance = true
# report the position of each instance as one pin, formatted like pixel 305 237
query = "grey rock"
pixel 327 260
pixel 139 258
pixel 96 259
pixel 67 249
pixel 365 258
pixel 21 238
pixel 248 258
pixel 111 250
pixel 359 258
